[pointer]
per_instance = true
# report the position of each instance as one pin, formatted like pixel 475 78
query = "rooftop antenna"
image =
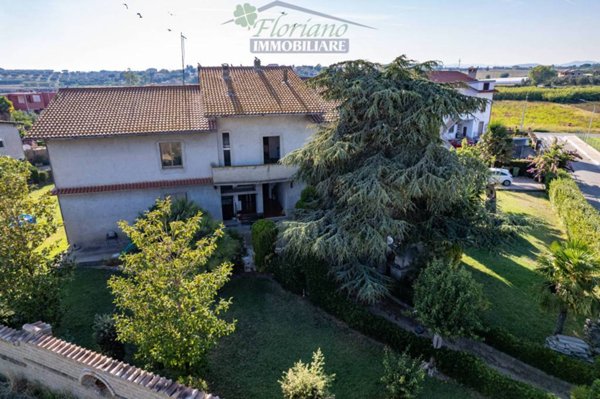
pixel 183 38
pixel 459 64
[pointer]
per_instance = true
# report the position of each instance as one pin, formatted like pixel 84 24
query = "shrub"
pixel 584 392
pixel 105 335
pixel 581 220
pixel 307 381
pixel 308 198
pixel 264 236
pixel 448 300
pixel 403 376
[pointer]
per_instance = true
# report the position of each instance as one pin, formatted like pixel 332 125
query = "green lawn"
pixel 59 238
pixel 274 330
pixel 510 282
pixel 546 116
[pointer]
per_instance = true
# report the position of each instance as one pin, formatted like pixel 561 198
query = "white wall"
pixel 127 159
pixel 13 147
pixel 246 136
pixel 88 217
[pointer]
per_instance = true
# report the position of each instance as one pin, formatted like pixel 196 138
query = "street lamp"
pixel 591 118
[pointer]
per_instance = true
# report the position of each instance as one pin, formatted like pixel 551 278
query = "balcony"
pixel 252 174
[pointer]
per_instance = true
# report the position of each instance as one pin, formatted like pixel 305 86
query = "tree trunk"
pixel 560 323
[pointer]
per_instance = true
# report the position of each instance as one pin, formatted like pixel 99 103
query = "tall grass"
pixel 565 95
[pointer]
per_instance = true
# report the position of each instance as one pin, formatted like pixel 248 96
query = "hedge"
pixel 581 220
pixel 565 95
pixel 264 235
pixel 462 367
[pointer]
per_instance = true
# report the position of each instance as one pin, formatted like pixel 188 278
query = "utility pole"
pixel 589 132
pixel 182 58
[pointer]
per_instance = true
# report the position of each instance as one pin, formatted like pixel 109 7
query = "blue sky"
pixel 103 34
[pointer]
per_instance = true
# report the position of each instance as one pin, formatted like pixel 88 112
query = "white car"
pixel 501 176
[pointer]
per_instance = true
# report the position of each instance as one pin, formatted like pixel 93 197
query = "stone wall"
pixel 35 355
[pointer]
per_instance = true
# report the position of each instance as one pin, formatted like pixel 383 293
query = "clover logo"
pixel 245 15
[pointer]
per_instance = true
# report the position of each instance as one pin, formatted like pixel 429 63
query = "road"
pixel 587 170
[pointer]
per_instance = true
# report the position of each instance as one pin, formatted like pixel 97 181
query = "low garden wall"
pixel 35 355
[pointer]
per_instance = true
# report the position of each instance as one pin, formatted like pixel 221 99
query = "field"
pixel 509 279
pixel 495 73
pixel 547 116
pixel 274 330
pixel 564 95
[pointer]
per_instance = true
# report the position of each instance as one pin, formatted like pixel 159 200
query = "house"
pixel 474 125
pixel 30 101
pixel 10 140
pixel 115 150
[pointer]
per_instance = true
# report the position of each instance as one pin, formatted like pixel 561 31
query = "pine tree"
pixel 382 170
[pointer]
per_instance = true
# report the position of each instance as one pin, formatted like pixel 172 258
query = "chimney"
pixel 472 72
pixel 199 69
pixel 225 71
pixel 285 76
pixel 256 63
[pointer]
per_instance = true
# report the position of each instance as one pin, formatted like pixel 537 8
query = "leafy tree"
pixel 496 145
pixel 403 376
pixel 31 280
pixel 542 74
pixel 571 275
pixel 6 108
pixel 382 171
pixel 27 119
pixel 132 78
pixel 167 298
pixel 307 381
pixel 548 162
pixel 448 300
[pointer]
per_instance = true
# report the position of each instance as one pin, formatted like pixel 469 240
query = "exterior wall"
pixel 25 101
pixel 24 357
pixel 13 147
pixel 128 159
pixel 290 194
pixel 471 122
pixel 246 136
pixel 89 217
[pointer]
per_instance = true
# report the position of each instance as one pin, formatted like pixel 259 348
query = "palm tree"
pixel 571 275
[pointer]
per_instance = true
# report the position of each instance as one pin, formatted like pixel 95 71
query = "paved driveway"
pixel 522 184
pixel 587 170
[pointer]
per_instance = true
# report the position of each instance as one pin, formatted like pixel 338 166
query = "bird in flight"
pixel 139 15
pixel 169 29
pixel 126 6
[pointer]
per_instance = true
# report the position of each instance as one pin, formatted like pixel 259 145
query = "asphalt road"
pixel 587 170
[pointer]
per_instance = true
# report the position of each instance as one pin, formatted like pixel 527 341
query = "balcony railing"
pixel 252 173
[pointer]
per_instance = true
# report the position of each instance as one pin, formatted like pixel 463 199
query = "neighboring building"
pixel 570 73
pixel 115 150
pixel 474 125
pixel 30 101
pixel 517 81
pixel 10 140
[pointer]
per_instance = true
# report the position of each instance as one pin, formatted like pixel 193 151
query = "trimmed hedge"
pixel 462 367
pixel 264 235
pixel 581 220
pixel 561 366
pixel 565 95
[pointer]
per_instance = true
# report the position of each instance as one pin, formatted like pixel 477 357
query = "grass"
pixel 510 281
pixel 546 116
pixel 59 238
pixel 592 141
pixel 274 330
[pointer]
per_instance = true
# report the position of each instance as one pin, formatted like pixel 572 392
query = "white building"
pixel 115 150
pixel 10 140
pixel 474 125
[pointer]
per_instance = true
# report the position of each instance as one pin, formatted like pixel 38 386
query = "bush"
pixel 308 198
pixel 264 236
pixel 581 220
pixel 403 376
pixel 463 367
pixel 583 392
pixel 448 300
pixel 307 381
pixel 105 335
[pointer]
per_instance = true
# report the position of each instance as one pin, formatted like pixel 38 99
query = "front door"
pixel 248 203
pixel 227 207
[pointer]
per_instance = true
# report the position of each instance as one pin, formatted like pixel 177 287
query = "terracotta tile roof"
pixel 450 77
pixel 254 91
pixel 133 186
pixel 108 111
pixel 102 364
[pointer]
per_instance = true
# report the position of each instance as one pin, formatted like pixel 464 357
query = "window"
pixel 486 86
pixel 1 143
pixel 21 99
pixel 271 149
pixel 170 155
pixel 226 150
pixel 36 98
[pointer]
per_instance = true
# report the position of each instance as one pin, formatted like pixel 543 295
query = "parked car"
pixel 501 176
